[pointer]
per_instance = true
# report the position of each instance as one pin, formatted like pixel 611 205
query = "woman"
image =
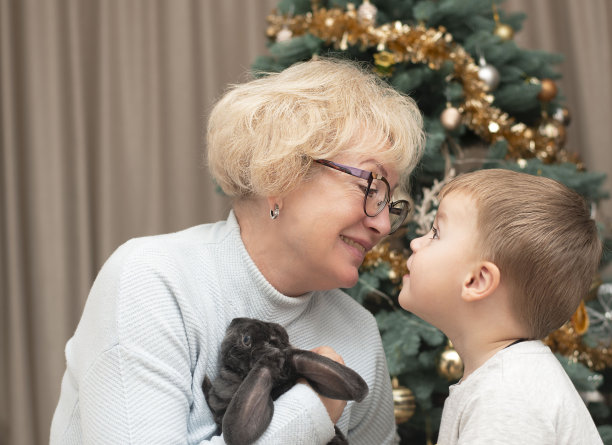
pixel 311 157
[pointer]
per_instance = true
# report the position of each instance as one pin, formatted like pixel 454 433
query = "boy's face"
pixel 441 262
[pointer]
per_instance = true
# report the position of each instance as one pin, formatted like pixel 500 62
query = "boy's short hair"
pixel 541 236
pixel 263 134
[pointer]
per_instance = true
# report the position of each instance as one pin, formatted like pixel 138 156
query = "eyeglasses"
pixel 377 194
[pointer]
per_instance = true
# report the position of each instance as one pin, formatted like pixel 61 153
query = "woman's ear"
pixel 274 200
pixel 481 282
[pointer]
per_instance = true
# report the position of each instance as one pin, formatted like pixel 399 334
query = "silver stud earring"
pixel 274 213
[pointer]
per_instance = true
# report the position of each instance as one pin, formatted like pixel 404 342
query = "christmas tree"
pixel 486 103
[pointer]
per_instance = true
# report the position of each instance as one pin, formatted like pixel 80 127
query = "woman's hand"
pixel 334 407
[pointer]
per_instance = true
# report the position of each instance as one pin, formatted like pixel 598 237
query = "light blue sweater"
pixel 152 327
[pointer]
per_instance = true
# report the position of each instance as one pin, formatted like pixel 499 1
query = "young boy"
pixel 507 261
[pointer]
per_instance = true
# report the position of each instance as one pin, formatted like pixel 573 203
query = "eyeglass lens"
pixel 378 197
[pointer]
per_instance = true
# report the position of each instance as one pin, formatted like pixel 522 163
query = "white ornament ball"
pixel 450 118
pixel 489 75
pixel 284 35
pixel 367 11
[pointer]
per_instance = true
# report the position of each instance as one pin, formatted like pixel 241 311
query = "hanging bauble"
pixel 503 31
pixel 488 74
pixel 450 118
pixel 384 62
pixel 367 12
pixel 284 34
pixel 562 115
pixel 548 91
pixel 450 365
pixel 404 404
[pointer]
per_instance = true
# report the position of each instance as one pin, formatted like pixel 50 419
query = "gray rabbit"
pixel 257 365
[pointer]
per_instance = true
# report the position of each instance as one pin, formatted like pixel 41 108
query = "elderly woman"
pixel 312 157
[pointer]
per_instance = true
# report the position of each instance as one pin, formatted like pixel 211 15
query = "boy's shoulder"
pixel 528 373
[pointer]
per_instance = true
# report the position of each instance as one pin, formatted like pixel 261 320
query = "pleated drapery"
pixel 103 111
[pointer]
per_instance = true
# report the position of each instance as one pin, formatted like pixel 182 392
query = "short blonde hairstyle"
pixel 541 236
pixel 263 134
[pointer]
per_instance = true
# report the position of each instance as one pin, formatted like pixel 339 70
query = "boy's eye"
pixel 434 233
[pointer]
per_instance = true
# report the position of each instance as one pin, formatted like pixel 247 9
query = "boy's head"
pixel 541 237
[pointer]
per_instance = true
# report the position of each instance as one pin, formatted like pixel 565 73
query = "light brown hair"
pixel 541 236
pixel 263 134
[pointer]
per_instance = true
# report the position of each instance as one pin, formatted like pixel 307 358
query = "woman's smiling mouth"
pixel 352 243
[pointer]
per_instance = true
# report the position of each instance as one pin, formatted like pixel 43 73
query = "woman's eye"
pixel 246 340
pixel 364 189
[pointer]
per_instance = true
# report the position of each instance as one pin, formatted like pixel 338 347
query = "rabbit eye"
pixel 246 340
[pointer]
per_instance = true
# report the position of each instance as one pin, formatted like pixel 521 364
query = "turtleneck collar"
pixel 270 303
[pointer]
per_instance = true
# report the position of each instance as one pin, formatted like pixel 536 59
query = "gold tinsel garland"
pixel 435 47
pixel 568 343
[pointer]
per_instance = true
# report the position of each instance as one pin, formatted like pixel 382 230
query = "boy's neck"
pixel 474 352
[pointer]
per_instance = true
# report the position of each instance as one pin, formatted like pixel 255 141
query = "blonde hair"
pixel 262 135
pixel 541 236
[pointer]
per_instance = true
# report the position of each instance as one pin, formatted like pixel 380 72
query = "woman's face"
pixel 324 226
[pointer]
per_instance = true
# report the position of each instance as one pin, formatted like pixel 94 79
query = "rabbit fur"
pixel 257 365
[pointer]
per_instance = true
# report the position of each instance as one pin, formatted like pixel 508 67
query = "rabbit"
pixel 257 365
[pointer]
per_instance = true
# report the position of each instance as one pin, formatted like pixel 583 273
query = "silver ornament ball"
pixel 489 75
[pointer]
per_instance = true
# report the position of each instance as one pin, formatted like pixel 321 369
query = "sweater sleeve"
pixel 138 389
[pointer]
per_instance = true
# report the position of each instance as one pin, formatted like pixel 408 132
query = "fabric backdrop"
pixel 103 109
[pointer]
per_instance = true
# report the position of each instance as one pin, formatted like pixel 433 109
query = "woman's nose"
pixel 381 222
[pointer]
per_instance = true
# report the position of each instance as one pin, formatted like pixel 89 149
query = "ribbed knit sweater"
pixel 152 328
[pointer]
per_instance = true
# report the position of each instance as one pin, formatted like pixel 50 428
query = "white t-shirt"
pixel 521 395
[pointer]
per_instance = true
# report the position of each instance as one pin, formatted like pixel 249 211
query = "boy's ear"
pixel 481 282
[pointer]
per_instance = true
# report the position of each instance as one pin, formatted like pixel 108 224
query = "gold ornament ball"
pixel 450 118
pixel 503 31
pixel 548 91
pixel 450 365
pixel 404 403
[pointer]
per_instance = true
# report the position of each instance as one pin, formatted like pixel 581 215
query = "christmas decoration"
pixel 450 365
pixel 384 61
pixel 562 115
pixel 599 312
pixel 367 12
pixel 486 103
pixel 382 253
pixel 450 118
pixel 502 30
pixel 284 34
pixel 548 91
pixel 488 74
pixel 434 47
pixel 403 402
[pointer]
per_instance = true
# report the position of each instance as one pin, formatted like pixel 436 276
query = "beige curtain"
pixel 103 105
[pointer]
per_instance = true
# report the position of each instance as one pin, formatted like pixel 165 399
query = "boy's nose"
pixel 415 244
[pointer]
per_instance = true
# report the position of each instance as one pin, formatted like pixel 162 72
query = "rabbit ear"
pixel 329 378
pixel 250 411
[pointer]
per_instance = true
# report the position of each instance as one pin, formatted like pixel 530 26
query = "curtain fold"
pixel 103 105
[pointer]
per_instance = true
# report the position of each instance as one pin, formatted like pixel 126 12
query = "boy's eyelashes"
pixel 434 233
